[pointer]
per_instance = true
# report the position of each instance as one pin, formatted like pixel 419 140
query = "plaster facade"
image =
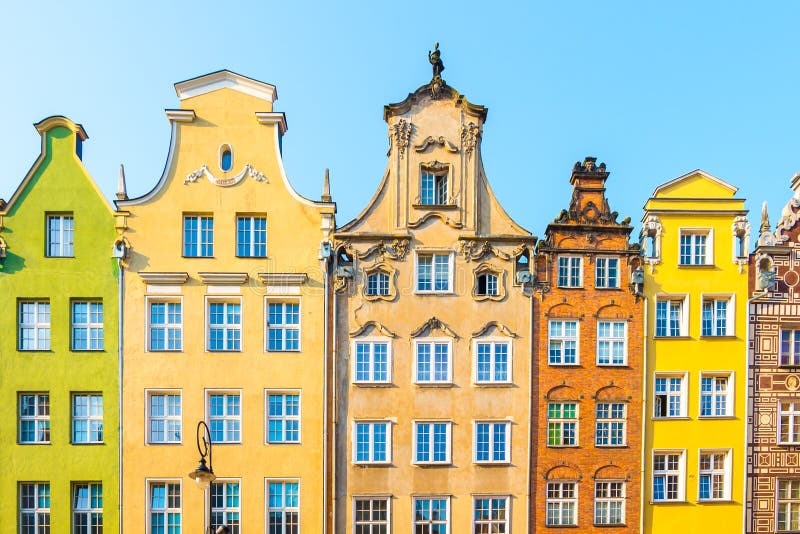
pixel 225 322
pixel 696 240
pixel 588 366
pixel 56 234
pixel 433 336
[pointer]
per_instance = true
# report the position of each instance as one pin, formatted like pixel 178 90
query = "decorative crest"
pixel 434 324
pixel 400 134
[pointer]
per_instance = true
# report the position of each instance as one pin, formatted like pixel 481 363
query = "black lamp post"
pixel 203 475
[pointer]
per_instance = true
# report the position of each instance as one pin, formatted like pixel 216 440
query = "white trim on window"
pixel 252 234
pixel 717 470
pixel 227 511
pixel 37 417
pixel 489 517
pixel 229 329
pixel 492 445
pixel 561 503
pixel 563 345
pixel 433 434
pixel 374 369
pixel 718 394
pixel 434 375
pixel 166 418
pixel 611 345
pixel 91 417
pixel 371 426
pixel 669 327
pixel 373 518
pixel 168 327
pixel 149 483
pixel 788 421
pixel 664 399
pixel 611 430
pixel 717 314
pixel 672 475
pixel 284 417
pixel 34 502
pixel 284 344
pixel 33 316
pixel 699 252
pixel 496 366
pixel 427 525
pixel 225 417
pixel 603 277
pixel 284 509
pixel 60 240
pixel 565 271
pixel 434 253
pixel 785 497
pixel 608 495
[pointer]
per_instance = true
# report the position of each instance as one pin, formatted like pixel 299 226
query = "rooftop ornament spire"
pixel 765 227
pixel 437 83
pixel 122 189
pixel 326 188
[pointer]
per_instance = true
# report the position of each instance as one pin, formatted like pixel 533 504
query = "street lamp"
pixel 203 475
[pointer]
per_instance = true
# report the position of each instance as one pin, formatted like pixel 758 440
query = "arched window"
pixel 225 158
pixel 487 285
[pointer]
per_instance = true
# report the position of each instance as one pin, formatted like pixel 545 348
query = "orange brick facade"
pixel 575 380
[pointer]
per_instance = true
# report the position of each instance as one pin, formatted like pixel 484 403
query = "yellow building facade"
pixel 695 235
pixel 433 336
pixel 225 323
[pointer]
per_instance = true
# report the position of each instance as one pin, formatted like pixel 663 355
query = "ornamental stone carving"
pixel 469 137
pixel 400 135
pixel 248 170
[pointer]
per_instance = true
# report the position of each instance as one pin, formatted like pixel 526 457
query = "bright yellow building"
pixel 695 234
pixel 225 322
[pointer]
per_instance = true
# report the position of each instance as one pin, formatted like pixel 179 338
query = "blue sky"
pixel 654 89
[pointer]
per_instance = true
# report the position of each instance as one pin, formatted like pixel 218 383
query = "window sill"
pixel 434 384
pixel 227 443
pixel 713 417
pixel 35 350
pixel 550 364
pixel 696 266
pixel 198 257
pixel 28 443
pixel 561 526
pixel 614 365
pixel 677 418
pixel 570 287
pixel 246 257
pixel 425 465
pixel 602 288
pixel 178 351
pixel 57 257
pixel 90 444
pixel 714 501
pixel 373 384
pixel 282 443
pixel 625 446
pixel 683 501
pixel 158 443
pixel 87 350
pixel 435 206
pixel 372 464
pixel 563 446
pixel 447 293
pixel 732 336
pixel 493 464
pixel 295 351
pixel 672 337
pixel 609 525
pixel 493 384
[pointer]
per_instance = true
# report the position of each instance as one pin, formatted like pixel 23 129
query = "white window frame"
pixel 609 421
pixel 604 281
pixel 198 235
pixel 793 348
pixel 561 423
pixel 792 414
pixel 438 177
pixel 150 482
pixel 371 522
pixel 40 523
pixel 728 395
pixel 559 340
pixel 569 280
pixel 91 327
pixel 491 521
pixel 84 511
pixel 284 509
pixel 493 343
pixel 226 510
pixel 433 341
pixel 428 524
pixel 450 272
pixel 682 395
pixel 611 340
pixel 681 474
pixel 89 418
pixel 225 417
pixel 381 289
pixel 789 502
pixel 166 326
pixel 448 439
pixel 725 472
pixel 372 423
pixel 283 327
pixel 252 235
pixel 167 418
pixel 39 325
pixel 492 288
pixel 284 418
pixel 227 328
pixel 730 313
pixel 66 238
pixel 561 501
pixel 708 257
pixel 37 419
pixel 683 326
pixel 608 500
pixel 493 447
pixel 371 342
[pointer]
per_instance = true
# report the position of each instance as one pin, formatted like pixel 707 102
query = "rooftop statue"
pixel 436 61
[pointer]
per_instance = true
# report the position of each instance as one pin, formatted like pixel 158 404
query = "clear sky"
pixel 654 89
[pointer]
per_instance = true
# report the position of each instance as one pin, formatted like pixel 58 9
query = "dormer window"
pixel 433 188
pixel 225 158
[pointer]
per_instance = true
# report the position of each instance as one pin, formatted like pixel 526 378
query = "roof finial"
pixel 122 190
pixel 765 226
pixel 326 188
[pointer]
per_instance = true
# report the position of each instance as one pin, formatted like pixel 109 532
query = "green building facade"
pixel 59 446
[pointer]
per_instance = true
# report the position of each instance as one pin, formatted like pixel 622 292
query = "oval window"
pixel 226 159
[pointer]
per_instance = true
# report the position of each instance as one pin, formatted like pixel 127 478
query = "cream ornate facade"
pixel 433 341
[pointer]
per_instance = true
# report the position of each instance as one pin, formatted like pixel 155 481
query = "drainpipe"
pixel 324 258
pixel 120 295
pixel 748 412
pixel 644 417
pixel 531 456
